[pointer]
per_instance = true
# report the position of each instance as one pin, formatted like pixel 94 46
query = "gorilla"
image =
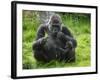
pixel 59 44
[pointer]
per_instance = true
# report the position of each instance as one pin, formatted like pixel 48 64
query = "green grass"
pixel 78 24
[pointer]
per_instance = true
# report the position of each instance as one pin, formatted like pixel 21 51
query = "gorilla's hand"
pixel 69 45
pixel 61 50
pixel 60 35
pixel 39 43
pixel 64 38
pixel 42 41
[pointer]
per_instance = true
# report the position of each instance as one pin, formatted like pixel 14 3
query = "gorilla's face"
pixel 55 29
pixel 55 25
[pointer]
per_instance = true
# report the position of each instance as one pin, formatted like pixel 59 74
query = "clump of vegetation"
pixel 78 24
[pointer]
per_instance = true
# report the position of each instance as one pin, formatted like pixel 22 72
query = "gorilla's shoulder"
pixel 64 28
pixel 66 31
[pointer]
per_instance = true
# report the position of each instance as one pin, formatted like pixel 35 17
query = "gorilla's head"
pixel 55 24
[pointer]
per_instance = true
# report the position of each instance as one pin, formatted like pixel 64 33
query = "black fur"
pixel 58 45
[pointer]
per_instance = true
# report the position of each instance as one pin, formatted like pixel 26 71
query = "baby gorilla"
pixel 58 45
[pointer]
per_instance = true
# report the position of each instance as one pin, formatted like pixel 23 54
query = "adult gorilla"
pixel 58 45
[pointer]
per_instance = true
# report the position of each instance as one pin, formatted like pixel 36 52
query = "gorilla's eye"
pixel 56 26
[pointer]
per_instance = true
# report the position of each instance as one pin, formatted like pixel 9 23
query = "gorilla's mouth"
pixel 54 34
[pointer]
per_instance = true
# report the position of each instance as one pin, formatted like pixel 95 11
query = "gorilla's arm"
pixel 37 45
pixel 41 31
pixel 40 39
pixel 68 36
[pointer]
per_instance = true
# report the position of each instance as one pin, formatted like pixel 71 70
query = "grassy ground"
pixel 78 24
